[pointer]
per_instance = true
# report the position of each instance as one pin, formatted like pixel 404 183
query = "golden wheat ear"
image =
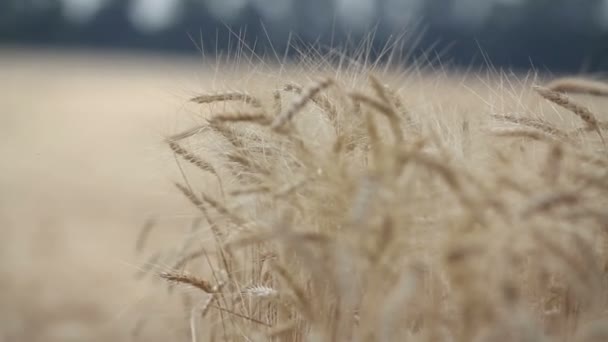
pixel 190 280
pixel 575 85
pixel 258 117
pixel 191 157
pixel 579 110
pixel 235 96
pixel 196 161
pixel 534 123
pixel 297 105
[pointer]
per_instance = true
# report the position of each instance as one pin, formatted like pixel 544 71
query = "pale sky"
pixel 401 13
pixel 155 15
pixel 602 17
pixel 80 11
pixel 274 9
pixel 356 14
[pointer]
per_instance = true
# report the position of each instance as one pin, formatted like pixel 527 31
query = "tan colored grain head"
pixel 296 106
pixel 579 110
pixel 539 124
pixel 575 85
pixel 259 118
pixel 191 280
pixel 191 157
pixel 234 96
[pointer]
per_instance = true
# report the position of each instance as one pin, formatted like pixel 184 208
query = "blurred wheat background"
pixel 82 170
pixel 106 105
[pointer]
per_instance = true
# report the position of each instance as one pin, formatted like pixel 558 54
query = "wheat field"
pixel 325 200
pixel 83 168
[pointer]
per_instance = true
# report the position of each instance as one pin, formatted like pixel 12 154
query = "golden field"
pixel 83 167
pixel 307 204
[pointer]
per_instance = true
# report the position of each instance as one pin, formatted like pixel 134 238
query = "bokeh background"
pixel 555 35
pixel 89 89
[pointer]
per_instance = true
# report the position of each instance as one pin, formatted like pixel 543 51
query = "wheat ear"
pixel 392 101
pixel 320 101
pixel 579 86
pixel 297 105
pixel 187 279
pixel 196 161
pixel 260 118
pixel 235 96
pixel 534 123
pixel 190 157
pixel 383 108
pixel 579 110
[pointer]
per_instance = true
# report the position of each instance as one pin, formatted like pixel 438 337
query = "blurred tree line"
pixel 559 35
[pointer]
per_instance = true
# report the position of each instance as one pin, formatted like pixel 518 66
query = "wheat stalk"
pixel 199 310
pixel 142 237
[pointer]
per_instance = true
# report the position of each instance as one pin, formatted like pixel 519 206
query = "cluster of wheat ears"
pixel 340 210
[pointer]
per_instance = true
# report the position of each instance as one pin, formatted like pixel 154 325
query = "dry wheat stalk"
pixel 198 311
pixel 281 329
pixel 142 237
pixel 188 133
pixel 193 198
pixel 222 210
pixel 239 315
pixel 298 291
pixel 151 263
pixel 180 263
